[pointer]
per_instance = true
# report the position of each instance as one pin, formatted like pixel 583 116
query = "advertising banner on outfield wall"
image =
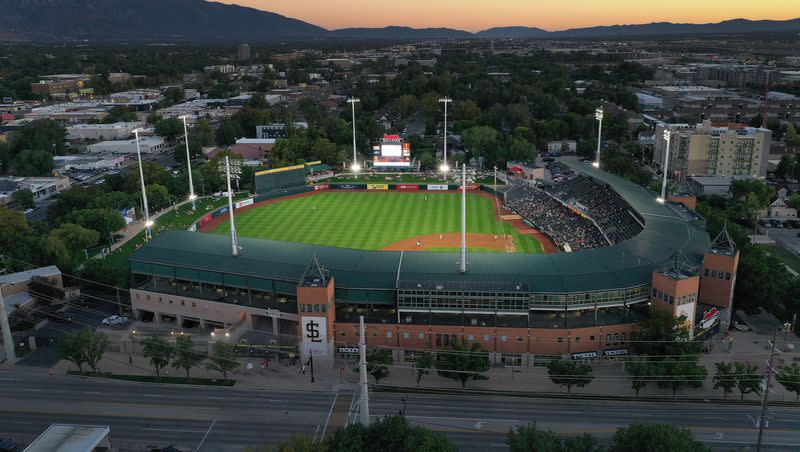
pixel 348 186
pixel 321 187
pixel 243 203
pixel 437 187
pixel 219 212
pixel 406 187
pixel 377 186
pixel 471 187
pixel 203 220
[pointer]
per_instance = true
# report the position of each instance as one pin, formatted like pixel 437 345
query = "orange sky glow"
pixel 475 15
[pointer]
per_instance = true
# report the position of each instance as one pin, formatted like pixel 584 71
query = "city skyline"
pixel 475 16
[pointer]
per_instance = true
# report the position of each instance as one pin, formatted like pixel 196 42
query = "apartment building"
pixel 709 149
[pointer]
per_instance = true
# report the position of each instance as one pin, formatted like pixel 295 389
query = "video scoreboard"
pixel 391 152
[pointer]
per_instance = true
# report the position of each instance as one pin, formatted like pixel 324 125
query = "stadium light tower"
pixel 234 245
pixel 663 198
pixel 147 222
pixel 352 101
pixel 462 266
pixel 444 167
pixel 598 115
pixel 192 196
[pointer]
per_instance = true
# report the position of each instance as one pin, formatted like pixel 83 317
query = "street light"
pixel 598 115
pixel 147 222
pixel 192 196
pixel 352 101
pixel 444 167
pixel 664 168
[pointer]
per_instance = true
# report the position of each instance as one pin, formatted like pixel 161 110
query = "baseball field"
pixel 384 221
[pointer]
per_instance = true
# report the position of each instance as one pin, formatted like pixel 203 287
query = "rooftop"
pixel 69 438
pixel 627 264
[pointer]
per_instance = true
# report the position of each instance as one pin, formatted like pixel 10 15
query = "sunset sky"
pixel 475 15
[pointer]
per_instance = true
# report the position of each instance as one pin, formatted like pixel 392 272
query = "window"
pixel 503 338
pixel 577 339
pixel 406 336
pixel 421 336
pixel 671 299
pixel 374 334
pixel 471 338
pixel 560 339
pixel 721 275
pixel 486 338
pixel 194 304
pixel 519 338
pixel 591 338
pixel 389 334
pixel 343 333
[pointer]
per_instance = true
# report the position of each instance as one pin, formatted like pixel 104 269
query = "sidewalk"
pixel 609 378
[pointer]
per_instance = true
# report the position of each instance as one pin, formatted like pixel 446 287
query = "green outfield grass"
pixel 372 220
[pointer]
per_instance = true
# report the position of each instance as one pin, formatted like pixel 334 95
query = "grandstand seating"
pixel 553 212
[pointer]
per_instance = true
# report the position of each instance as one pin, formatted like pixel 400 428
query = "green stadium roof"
pixel 627 264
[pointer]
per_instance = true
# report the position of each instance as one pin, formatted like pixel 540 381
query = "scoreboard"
pixel 391 152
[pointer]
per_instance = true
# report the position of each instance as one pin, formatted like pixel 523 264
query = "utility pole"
pixel 362 372
pixel 762 421
pixel 8 340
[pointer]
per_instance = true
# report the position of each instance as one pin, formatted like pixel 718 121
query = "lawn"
pixel 372 221
pixel 785 255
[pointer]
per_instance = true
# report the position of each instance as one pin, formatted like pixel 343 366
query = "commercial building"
pixel 563 147
pixel 243 52
pixel 43 187
pixel 70 113
pixel 101 132
pixel 525 309
pixel 708 149
pixel 277 130
pixel 88 162
pixel 147 145
pixel 60 84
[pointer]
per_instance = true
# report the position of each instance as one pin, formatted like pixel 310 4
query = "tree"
pixel 725 378
pixel 763 192
pixel 95 344
pixel 33 162
pixel 223 360
pixel 663 334
pixel 789 377
pixel 169 128
pixel 258 100
pixel 116 200
pixel 185 357
pixel 23 198
pixel 748 378
pixel 389 433
pixel 529 438
pixel 41 135
pixel 479 140
pixel 378 362
pixel 638 437
pixel 638 370
pixel 71 349
pixel 463 362
pixel 120 114
pixel 157 197
pixel 158 351
pixel 75 237
pixel 427 161
pixel 569 373
pixel 104 221
pixel 228 132
pixel 424 365
pixel 204 132
pixel 681 372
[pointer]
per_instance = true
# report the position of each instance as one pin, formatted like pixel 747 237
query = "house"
pixel 781 207
pixel 251 149
pixel 329 104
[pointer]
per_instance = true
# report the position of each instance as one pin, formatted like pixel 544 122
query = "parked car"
pixel 794 223
pixel 788 224
pixel 7 445
pixel 764 223
pixel 776 223
pixel 115 320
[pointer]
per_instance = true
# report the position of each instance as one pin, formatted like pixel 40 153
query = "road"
pixel 231 419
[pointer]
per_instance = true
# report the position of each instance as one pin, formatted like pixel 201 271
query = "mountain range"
pixel 204 21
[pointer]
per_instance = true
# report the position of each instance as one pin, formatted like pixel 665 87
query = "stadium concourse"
pixel 630 254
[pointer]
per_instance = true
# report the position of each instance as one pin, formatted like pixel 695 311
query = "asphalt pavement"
pixel 230 419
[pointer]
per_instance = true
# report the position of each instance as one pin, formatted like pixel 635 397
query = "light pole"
pixel 192 196
pixel 664 168
pixel 444 167
pixel 148 224
pixel 598 115
pixel 352 101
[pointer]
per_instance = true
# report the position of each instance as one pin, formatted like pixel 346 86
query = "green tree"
pixel 94 346
pixel 228 132
pixel 405 105
pixel 663 334
pixel 725 378
pixel 748 378
pixel 33 162
pixel 112 200
pixel 528 438
pixel 480 140
pixel 638 369
pixel 379 361
pixel 681 372
pixel 76 237
pixel 169 128
pixel 23 198
pixel 424 365
pixel 120 114
pixel 157 197
pixel 104 221
pixel 789 377
pixel 569 373
pixel 40 135
pixel 204 132
pixel 185 357
pixel 463 362
pixel 258 100
pixel 71 349
pixel 223 360
pixel 158 351
pixel 389 433
pixel 763 193
pixel 662 437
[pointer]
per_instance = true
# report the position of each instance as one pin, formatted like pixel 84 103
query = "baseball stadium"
pixel 563 268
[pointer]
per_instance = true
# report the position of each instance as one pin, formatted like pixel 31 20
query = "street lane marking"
pixel 328 419
pixel 31 390
pixel 177 430
pixel 314 439
pixel 206 435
